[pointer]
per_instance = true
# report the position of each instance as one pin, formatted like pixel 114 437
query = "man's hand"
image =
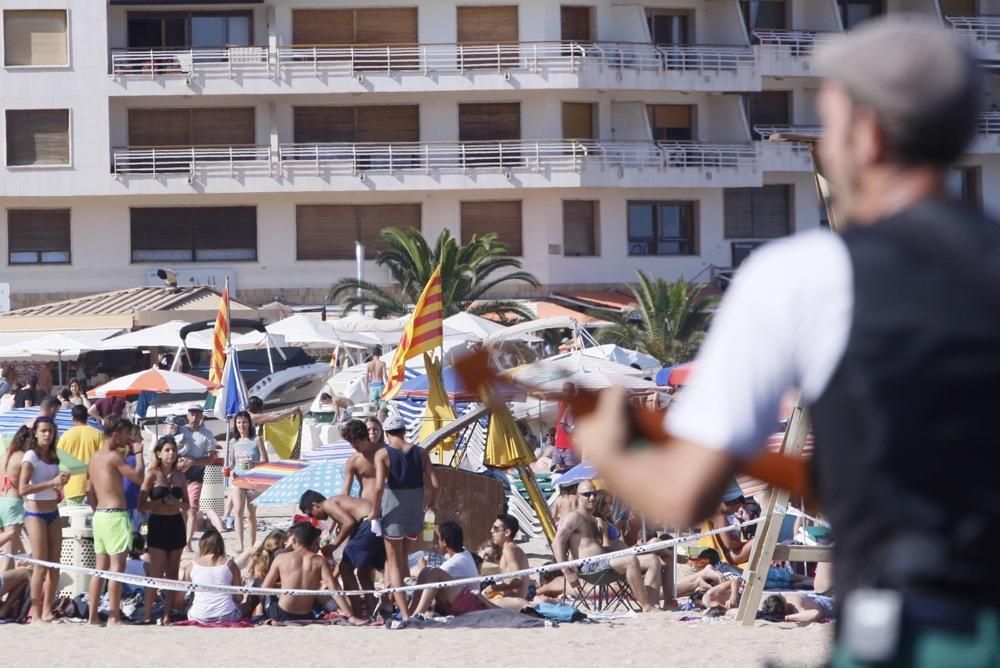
pixel 572 579
pixel 183 464
pixel 600 436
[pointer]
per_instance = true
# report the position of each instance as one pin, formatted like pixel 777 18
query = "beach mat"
pixel 499 618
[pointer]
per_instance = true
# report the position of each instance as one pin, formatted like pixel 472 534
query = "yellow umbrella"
pixel 438 411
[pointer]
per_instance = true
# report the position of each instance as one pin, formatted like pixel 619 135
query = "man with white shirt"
pixel 196 449
pixel 890 333
pixel 459 565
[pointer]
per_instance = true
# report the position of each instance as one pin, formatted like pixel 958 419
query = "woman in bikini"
pixel 40 485
pixel 11 503
pixel 164 496
pixel 246 450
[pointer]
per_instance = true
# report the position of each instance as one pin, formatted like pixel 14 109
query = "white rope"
pixel 175 585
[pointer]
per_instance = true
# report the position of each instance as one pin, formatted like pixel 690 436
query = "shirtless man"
pixel 365 551
pixel 802 607
pixel 361 465
pixel 376 377
pixel 579 536
pixel 302 568
pixel 511 593
pixel 112 523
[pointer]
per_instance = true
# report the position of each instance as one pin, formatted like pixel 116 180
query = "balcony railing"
pixel 432 157
pixel 554 155
pixel 231 160
pixel 350 60
pixel 765 131
pixel 798 42
pixel 227 61
pixel 983 28
pixel 989 123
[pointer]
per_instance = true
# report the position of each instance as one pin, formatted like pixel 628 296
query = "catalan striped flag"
pixel 423 333
pixel 220 339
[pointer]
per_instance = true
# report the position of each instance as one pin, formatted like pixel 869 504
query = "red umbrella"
pixel 679 374
pixel 152 380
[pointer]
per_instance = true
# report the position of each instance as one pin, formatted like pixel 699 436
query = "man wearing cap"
pixel 891 332
pixel 196 446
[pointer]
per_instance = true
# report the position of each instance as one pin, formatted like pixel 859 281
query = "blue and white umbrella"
pixel 578 474
pixel 14 419
pixel 337 452
pixel 327 478
pixel 232 396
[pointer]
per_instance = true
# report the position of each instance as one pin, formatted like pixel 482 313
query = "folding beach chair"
pixel 604 591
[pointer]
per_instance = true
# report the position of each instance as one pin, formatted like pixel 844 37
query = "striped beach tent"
pixel 14 419
pixel 262 476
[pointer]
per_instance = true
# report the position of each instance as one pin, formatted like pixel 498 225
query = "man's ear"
pixel 870 140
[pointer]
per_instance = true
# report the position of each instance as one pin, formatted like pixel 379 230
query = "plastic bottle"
pixel 429 519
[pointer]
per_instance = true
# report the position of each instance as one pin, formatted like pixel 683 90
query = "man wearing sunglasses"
pixel 511 593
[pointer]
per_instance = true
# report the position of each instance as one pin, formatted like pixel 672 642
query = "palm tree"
pixel 467 273
pixel 668 320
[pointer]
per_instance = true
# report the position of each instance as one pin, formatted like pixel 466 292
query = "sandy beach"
pixel 654 640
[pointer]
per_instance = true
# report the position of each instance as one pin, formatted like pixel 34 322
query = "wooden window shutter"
pixel 771 208
pixel 325 231
pixel 489 122
pixel 38 235
pixel 737 213
pixel 162 233
pixel 388 123
pixel 312 27
pixel 223 126
pixel 670 115
pixel 579 227
pixel 159 127
pixel 372 219
pixel 771 107
pixel 502 218
pixel 488 24
pixel 575 24
pixel 386 26
pixel 224 233
pixel 324 124
pixel 37 137
pixel 35 37
pixel 578 120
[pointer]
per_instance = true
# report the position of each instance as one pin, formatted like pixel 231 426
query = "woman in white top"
pixel 40 485
pixel 213 567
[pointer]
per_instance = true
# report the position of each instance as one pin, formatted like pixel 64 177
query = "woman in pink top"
pixel 41 484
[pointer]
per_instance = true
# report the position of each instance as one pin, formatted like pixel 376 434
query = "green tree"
pixel 467 273
pixel 668 320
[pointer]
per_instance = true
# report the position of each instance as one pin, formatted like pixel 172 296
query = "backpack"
pixel 560 612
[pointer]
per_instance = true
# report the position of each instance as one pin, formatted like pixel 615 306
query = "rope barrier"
pixel 176 585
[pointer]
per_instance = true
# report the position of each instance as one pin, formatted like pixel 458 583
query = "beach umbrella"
pixel 164 335
pixel 419 388
pixel 262 476
pixel 53 344
pixel 548 379
pixel 622 358
pixel 15 418
pixel 152 380
pixel 232 397
pixel 438 411
pixel 327 478
pixel 303 330
pixel 337 452
pixel 577 474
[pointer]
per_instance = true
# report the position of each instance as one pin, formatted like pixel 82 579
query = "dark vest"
pixel 907 460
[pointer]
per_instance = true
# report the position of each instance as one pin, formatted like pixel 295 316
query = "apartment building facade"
pixel 261 140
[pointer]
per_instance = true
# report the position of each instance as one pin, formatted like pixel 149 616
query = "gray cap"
pixel 920 78
pixel 393 423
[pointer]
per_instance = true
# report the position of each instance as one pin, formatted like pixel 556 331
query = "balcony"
pixel 784 156
pixel 436 166
pixel 988 134
pixel 433 67
pixel 786 53
pixel 985 30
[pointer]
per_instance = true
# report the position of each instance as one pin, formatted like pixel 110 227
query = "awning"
pixel 92 336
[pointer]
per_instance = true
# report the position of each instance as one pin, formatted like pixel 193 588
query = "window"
pixel 383 123
pixel 661 228
pixel 757 213
pixel 194 234
pixel 330 231
pixel 489 122
pixel 958 7
pixel 764 14
pixel 501 218
pixel 965 184
pixel 35 38
pixel 387 25
pixel 38 236
pixel 575 24
pixel 37 137
pixel 853 12
pixel 580 228
pixel 578 120
pixel 669 28
pixel 672 122
pixel 213 126
pixel 770 107
pixel 189 29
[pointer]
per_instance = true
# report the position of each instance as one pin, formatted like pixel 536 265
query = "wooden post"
pixel 774 514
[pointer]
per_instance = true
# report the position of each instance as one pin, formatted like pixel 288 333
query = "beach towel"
pixel 242 624
pixel 494 618
pixel 283 435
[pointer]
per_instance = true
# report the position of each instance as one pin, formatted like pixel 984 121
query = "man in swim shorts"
pixel 112 525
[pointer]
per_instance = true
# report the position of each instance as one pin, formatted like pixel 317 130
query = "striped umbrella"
pixel 262 476
pixel 338 451
pixel 15 418
pixel 327 478
pixel 153 380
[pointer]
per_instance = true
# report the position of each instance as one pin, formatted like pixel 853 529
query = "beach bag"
pixel 560 612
